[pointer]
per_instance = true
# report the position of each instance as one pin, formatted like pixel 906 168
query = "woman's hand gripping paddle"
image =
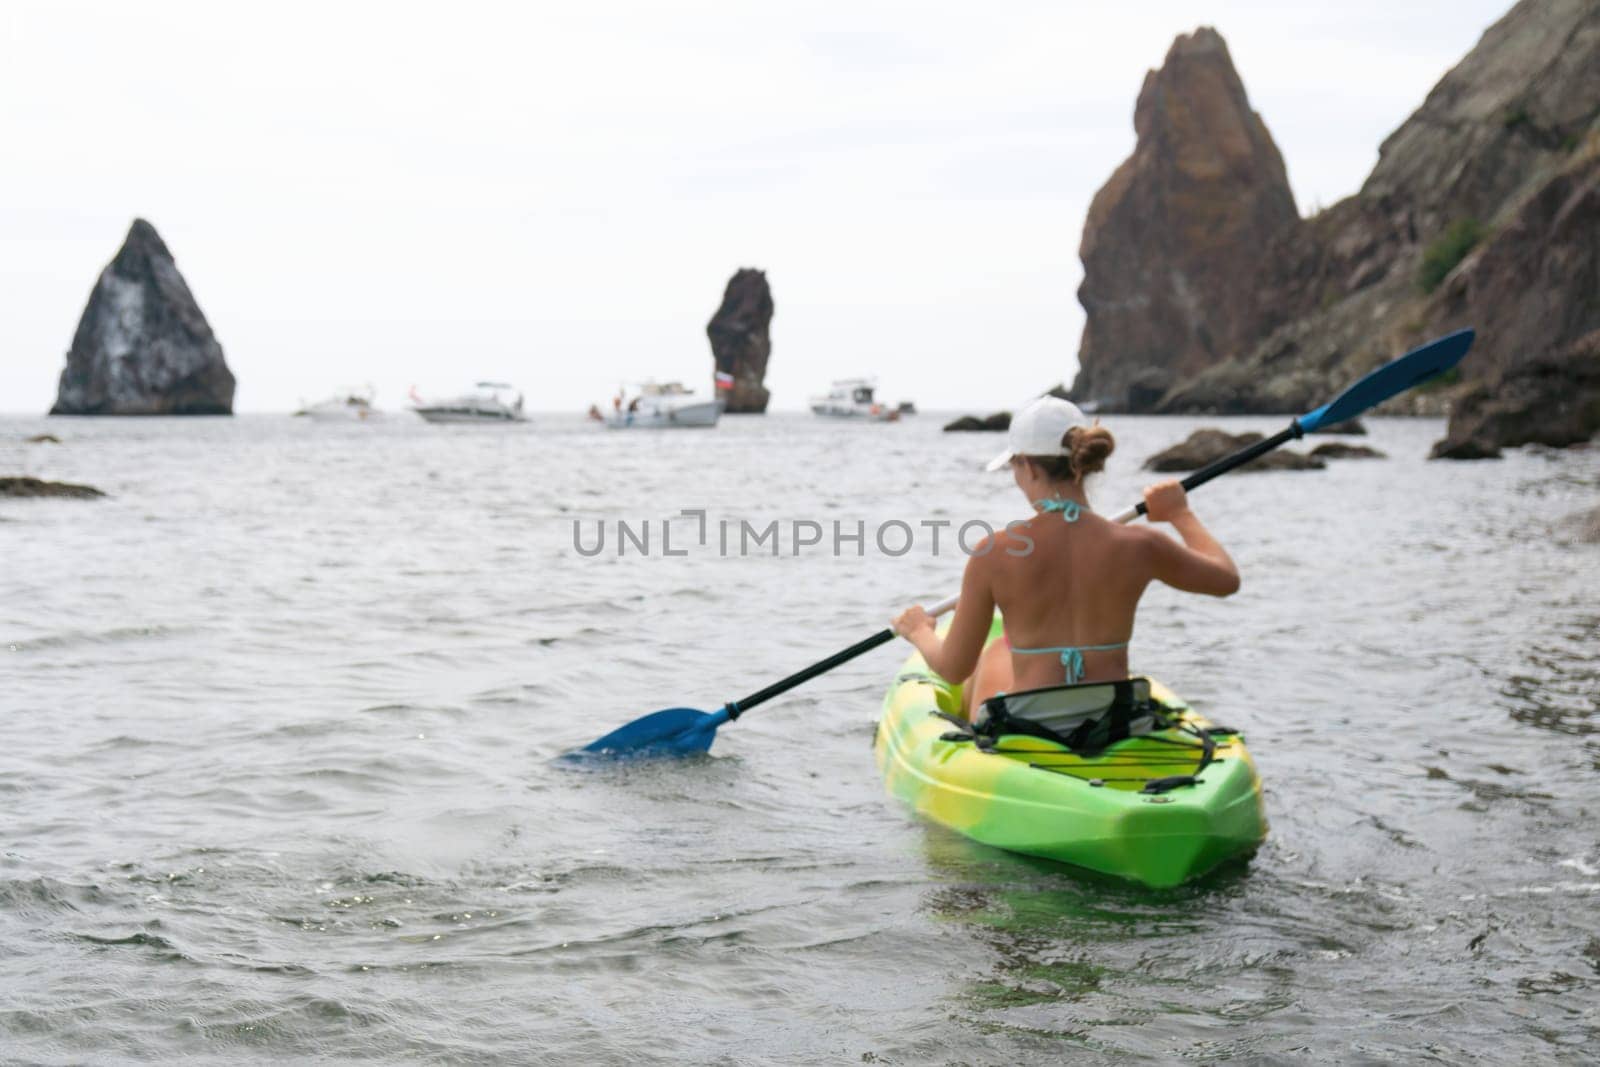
pixel 686 731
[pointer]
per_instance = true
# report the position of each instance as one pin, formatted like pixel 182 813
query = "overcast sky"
pixel 557 194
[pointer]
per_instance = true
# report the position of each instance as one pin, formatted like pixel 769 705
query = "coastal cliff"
pixel 1480 212
pixel 740 340
pixel 143 347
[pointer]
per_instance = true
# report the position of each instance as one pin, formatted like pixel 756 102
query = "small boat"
pixel 1160 808
pixel 851 398
pixel 661 406
pixel 489 402
pixel 347 405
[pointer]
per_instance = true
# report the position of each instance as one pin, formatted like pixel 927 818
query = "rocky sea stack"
pixel 1480 212
pixel 143 347
pixel 1176 234
pixel 740 341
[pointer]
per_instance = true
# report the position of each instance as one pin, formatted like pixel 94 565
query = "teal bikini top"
pixel 1071 655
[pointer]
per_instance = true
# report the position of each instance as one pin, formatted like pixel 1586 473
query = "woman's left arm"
pixel 955 655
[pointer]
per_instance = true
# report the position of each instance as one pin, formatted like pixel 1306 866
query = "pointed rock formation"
pixel 740 343
pixel 143 347
pixel 1481 212
pixel 1172 242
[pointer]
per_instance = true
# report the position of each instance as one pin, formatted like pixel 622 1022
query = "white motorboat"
pixel 662 406
pixel 851 398
pixel 347 405
pixel 488 402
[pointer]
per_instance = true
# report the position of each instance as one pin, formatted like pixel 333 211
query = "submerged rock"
pixel 1340 450
pixel 44 439
pixel 999 422
pixel 1173 240
pixel 28 487
pixel 1204 447
pixel 1466 448
pixel 143 347
pixel 741 342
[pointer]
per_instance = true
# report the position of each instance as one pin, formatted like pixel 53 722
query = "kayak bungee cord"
pixel 984 738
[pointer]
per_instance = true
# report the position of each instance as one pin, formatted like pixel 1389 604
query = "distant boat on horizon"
pixel 852 398
pixel 661 406
pixel 489 402
pixel 347 405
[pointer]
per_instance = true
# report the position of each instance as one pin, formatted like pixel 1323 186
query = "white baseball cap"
pixel 1037 430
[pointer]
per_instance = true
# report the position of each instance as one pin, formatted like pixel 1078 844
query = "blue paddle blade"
pixel 673 732
pixel 1392 379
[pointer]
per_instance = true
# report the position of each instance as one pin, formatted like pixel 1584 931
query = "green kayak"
pixel 1093 810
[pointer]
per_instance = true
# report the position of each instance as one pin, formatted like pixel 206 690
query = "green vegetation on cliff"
pixel 1448 249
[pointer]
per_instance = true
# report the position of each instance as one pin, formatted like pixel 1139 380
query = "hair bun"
pixel 1088 447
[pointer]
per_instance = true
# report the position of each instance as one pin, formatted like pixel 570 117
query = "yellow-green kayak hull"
pixel 1038 798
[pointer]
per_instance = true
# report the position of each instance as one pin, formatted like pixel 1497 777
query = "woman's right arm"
pixel 1200 564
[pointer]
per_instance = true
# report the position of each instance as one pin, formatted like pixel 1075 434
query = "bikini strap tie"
pixel 1071 657
pixel 1069 509
pixel 1072 664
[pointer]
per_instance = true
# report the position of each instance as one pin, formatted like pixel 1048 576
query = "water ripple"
pixel 284 713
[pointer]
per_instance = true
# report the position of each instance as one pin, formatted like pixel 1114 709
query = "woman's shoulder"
pixel 1024 537
pixel 1137 536
pixel 1011 541
pixel 1011 536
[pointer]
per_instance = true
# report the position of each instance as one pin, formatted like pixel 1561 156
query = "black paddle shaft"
pixel 738 707
pixel 1238 459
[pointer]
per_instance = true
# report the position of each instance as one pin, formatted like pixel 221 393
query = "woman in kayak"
pixel 1067 581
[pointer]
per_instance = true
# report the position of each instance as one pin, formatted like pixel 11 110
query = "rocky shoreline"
pixel 1205 292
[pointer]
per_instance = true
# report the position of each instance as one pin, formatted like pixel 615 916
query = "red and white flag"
pixel 724 380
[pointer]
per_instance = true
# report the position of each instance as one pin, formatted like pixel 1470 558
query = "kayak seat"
pixel 1085 717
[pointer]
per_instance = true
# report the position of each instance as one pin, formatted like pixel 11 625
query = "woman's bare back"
pixel 1068 585
pixel 1066 581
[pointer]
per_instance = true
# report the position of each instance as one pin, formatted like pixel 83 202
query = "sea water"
pixel 283 714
